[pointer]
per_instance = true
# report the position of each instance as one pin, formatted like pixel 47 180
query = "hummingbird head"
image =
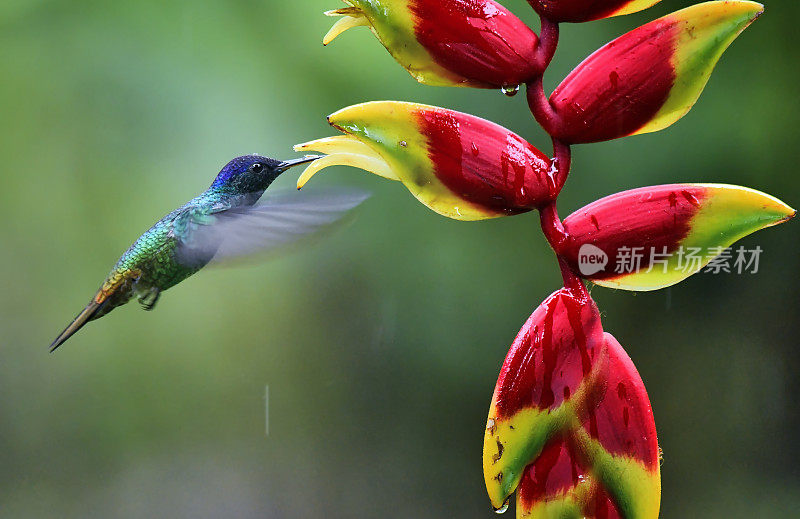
pixel 254 173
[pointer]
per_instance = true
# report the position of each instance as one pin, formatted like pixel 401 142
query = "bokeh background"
pixel 380 345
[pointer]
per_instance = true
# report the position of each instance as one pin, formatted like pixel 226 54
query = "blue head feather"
pixel 239 166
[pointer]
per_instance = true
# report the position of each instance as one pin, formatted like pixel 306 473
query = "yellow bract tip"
pixel 343 150
pixel 745 200
pixel 350 20
pixel 314 167
pixel 336 144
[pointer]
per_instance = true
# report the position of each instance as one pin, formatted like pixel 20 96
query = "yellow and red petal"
pixel 458 165
pixel 570 422
pixel 587 10
pixel 477 43
pixel 654 237
pixel 609 466
pixel 648 78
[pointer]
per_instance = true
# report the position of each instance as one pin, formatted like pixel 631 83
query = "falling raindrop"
pixel 503 509
pixel 510 91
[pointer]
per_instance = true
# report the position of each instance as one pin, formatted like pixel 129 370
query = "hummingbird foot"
pixel 149 299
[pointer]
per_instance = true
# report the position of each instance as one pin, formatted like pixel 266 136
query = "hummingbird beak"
pixel 286 164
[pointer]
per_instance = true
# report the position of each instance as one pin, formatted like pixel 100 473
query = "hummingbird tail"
pixel 84 317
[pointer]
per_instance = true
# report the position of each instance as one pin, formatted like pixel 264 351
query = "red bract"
pixel 459 165
pixel 570 420
pixel 477 39
pixel 477 43
pixel 646 79
pixel 653 237
pixel 485 163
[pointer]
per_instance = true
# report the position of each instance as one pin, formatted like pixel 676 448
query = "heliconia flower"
pixel 654 237
pixel 477 43
pixel 570 425
pixel 587 10
pixel 648 78
pixel 458 165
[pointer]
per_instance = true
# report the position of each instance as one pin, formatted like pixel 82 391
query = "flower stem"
pixel 552 226
pixel 548 41
pixel 572 281
pixel 540 106
pixel 560 166
pixel 557 237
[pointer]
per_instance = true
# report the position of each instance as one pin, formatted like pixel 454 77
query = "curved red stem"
pixel 548 41
pixel 560 166
pixel 545 115
pixel 572 280
pixel 537 100
pixel 552 227
pixel 557 237
pixel 540 106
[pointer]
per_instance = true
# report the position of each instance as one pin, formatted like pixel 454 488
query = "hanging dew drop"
pixel 510 91
pixel 503 509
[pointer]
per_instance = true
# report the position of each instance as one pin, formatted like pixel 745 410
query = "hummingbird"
pixel 223 222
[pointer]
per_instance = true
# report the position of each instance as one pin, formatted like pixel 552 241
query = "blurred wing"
pixel 278 220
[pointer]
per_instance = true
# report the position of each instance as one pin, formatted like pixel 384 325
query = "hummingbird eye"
pixel 257 168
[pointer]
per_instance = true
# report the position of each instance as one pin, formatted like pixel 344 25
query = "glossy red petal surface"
pixel 620 87
pixel 557 471
pixel 551 356
pixel 654 218
pixel 477 39
pixel 623 420
pixel 485 163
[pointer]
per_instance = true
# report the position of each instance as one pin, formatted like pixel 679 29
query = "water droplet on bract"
pixel 503 509
pixel 673 199
pixel 510 91
pixel 690 198
pixel 614 78
pixel 475 150
pixel 404 144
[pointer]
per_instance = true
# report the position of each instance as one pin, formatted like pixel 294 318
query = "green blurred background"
pixel 380 345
